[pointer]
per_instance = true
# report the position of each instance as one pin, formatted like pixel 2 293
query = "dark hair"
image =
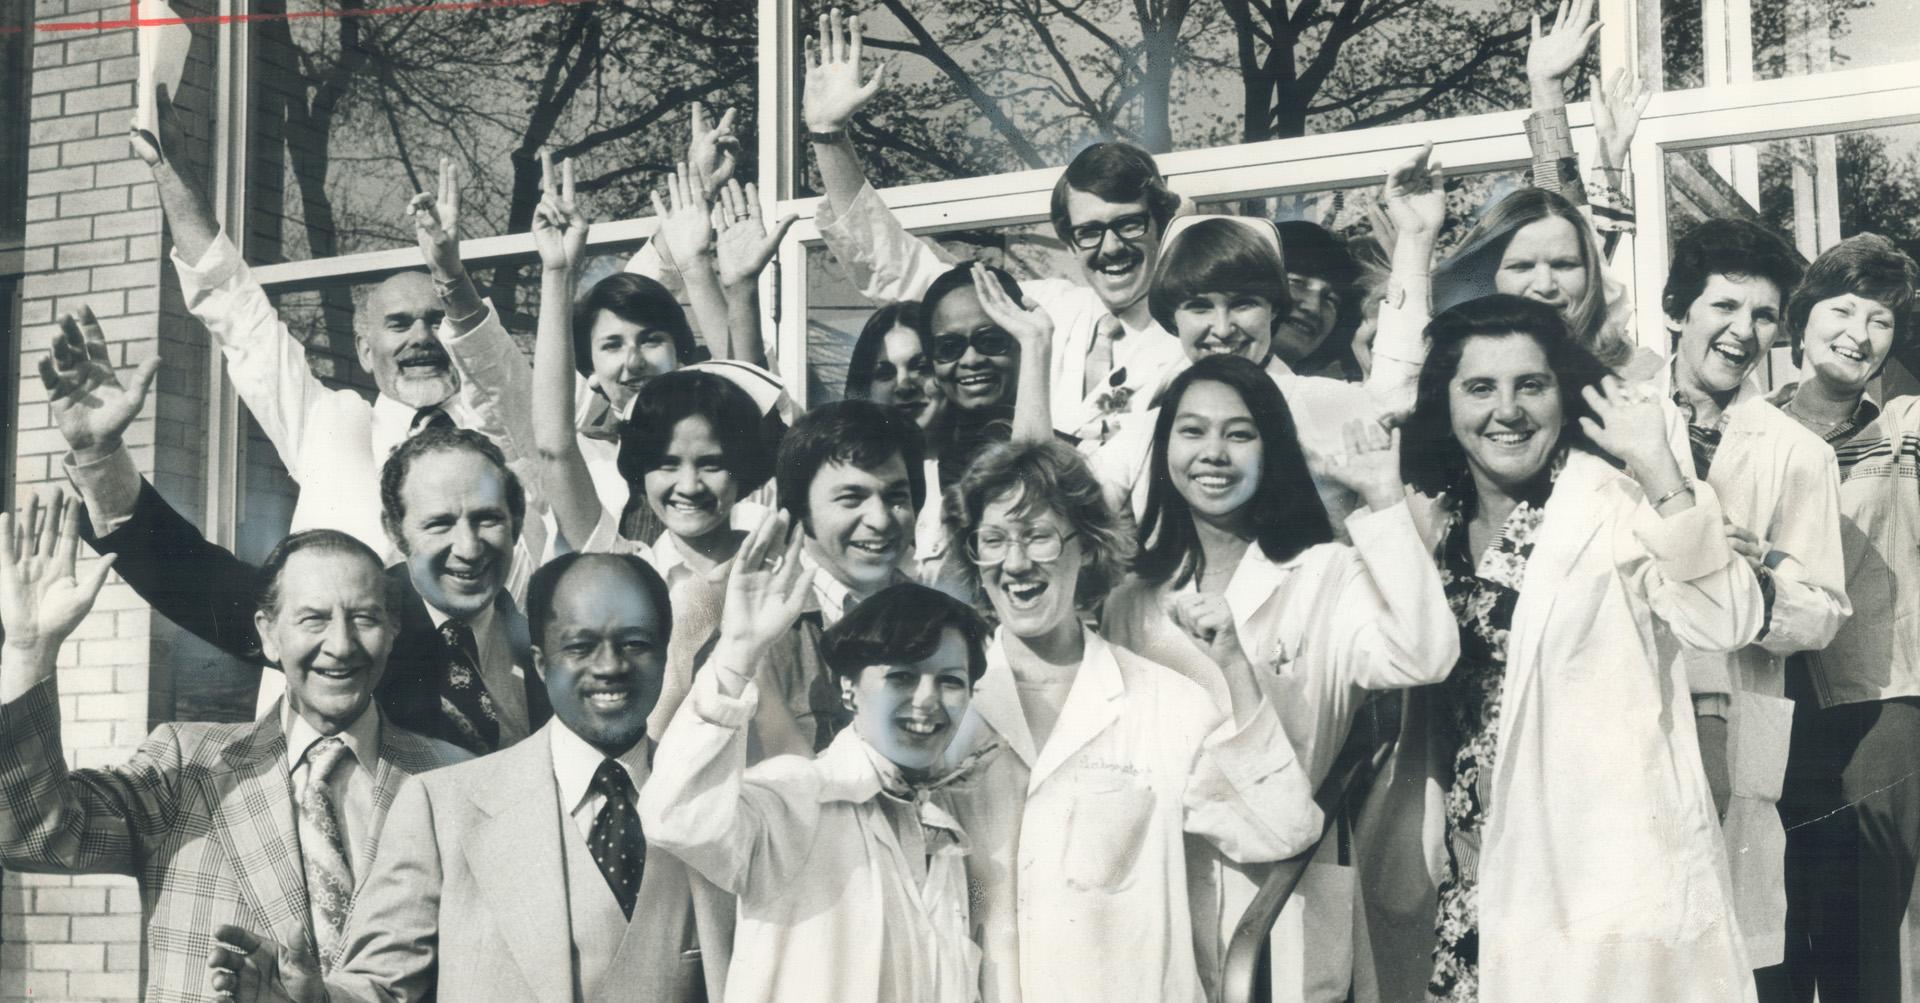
pixel 959 276
pixel 1217 255
pixel 1114 172
pixel 1867 265
pixel 1047 474
pixel 393 475
pixel 1286 510
pixel 635 299
pixel 328 541
pixel 1732 247
pixel 856 432
pixel 666 400
pixel 872 339
pixel 1469 272
pixel 1432 461
pixel 1316 252
pixel 902 623
pixel 546 581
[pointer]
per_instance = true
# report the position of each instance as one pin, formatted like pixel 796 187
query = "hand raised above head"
pixel 1616 115
pixel 559 228
pixel 1554 54
pixel 436 223
pixel 41 598
pixel 89 404
pixel 686 221
pixel 1031 326
pixel 834 91
pixel 743 246
pixel 151 149
pixel 1415 194
pixel 712 149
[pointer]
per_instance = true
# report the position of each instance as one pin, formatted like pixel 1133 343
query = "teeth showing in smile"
pixel 1848 353
pixel 1212 482
pixel 1734 355
pixel 472 575
pixel 334 673
pixel 1025 592
pixel 608 700
pixel 1510 438
pixel 978 379
pixel 689 507
pixel 878 548
pixel 924 729
pixel 1117 269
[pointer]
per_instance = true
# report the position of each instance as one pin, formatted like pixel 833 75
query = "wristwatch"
pixel 836 136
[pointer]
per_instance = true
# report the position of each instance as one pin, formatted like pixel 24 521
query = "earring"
pixel 846 694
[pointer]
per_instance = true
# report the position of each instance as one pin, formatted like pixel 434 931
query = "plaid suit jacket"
pixel 202 816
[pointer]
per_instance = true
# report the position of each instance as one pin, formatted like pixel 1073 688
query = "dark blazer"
pixel 212 594
pixel 202 816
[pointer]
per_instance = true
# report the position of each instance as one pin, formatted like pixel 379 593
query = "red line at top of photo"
pixel 134 20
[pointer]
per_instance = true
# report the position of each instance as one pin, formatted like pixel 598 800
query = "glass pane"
pixel 1787 37
pixel 983 86
pixel 1814 191
pixel 351 115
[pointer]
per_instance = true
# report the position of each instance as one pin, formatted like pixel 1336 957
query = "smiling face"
pixel 1214 452
pixel 1225 324
pixel 1846 341
pixel 691 489
pixel 456 530
pixel 330 635
pixel 903 378
pixel 1727 329
pixel 398 341
pixel 1316 309
pixel 974 380
pixel 907 712
pixel 626 355
pixel 860 522
pixel 1118 269
pixel 1034 600
pixel 603 654
pixel 1544 261
pixel 1504 402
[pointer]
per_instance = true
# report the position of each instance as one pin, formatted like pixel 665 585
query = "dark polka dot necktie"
pixel 615 840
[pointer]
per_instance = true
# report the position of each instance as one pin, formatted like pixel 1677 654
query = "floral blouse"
pixel 1482 595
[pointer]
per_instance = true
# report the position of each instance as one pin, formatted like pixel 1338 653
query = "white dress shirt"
pixel 574 764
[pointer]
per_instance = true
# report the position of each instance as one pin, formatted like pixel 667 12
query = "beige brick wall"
pixel 94 237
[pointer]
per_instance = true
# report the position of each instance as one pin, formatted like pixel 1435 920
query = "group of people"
pixel 610 675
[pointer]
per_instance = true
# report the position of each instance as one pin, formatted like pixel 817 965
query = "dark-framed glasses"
pixel 1088 236
pixel 987 341
pixel 990 547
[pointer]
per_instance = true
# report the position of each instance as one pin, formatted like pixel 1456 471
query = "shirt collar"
pixel 831 596
pixel 480 622
pixel 575 762
pixel 1863 413
pixel 362 736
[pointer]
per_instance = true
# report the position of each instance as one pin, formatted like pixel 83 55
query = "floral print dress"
pixel 1482 595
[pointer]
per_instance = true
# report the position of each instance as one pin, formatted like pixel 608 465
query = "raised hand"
pixel 1616 115
pixel 559 228
pixel 834 90
pixel 686 228
pixel 1553 55
pixel 436 224
pixel 245 967
pixel 1209 622
pixel 154 150
pixel 90 406
pixel 1368 465
pixel 1029 325
pixel 743 246
pixel 41 599
pixel 1416 195
pixel 1633 429
pixel 766 592
pixel 711 150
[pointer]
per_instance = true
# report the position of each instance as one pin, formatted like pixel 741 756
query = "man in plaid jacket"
pixel 212 819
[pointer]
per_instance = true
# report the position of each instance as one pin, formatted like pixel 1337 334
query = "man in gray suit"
pixel 524 875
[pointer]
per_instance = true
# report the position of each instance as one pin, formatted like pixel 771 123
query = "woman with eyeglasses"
pixel 1109 764
pixel 1235 532
pixel 1546 830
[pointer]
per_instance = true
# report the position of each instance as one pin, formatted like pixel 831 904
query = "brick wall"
pixel 94 237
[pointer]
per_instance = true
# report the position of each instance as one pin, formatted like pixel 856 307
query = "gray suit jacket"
pixel 468 899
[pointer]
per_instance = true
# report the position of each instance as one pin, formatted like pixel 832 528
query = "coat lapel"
pixel 997 704
pixel 515 858
pixel 254 820
pixel 1090 708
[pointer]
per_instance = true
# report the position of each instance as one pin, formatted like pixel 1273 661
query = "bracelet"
pixel 834 136
pixel 1686 487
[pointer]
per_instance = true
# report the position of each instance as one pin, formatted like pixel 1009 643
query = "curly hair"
pixel 1037 476
pixel 1867 265
pixel 393 475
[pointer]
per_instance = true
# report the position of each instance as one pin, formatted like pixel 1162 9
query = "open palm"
pixel 90 406
pixel 41 600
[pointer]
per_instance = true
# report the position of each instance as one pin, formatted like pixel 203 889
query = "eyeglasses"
pixel 990 341
pixel 1089 236
pixel 989 549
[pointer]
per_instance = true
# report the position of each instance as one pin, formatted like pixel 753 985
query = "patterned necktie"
pixel 323 848
pixel 463 696
pixel 615 840
pixel 431 416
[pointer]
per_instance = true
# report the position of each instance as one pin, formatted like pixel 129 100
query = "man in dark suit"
pixel 525 875
pixel 272 824
pixel 461 668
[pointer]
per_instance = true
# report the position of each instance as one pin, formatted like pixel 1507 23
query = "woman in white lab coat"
pixel 1081 826
pixel 1563 815
pixel 1233 516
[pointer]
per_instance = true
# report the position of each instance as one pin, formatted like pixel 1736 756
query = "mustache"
pixel 1125 256
pixel 423 352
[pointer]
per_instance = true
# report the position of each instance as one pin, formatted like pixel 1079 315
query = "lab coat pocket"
pixel 1759 728
pixel 1105 829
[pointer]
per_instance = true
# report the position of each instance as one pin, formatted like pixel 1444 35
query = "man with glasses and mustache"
pixel 1111 206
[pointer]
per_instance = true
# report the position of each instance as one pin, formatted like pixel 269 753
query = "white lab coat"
pixel 1602 875
pixel 1779 480
pixel 1323 629
pixel 1080 848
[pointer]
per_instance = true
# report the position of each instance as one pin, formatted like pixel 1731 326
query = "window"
pixel 1729 41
